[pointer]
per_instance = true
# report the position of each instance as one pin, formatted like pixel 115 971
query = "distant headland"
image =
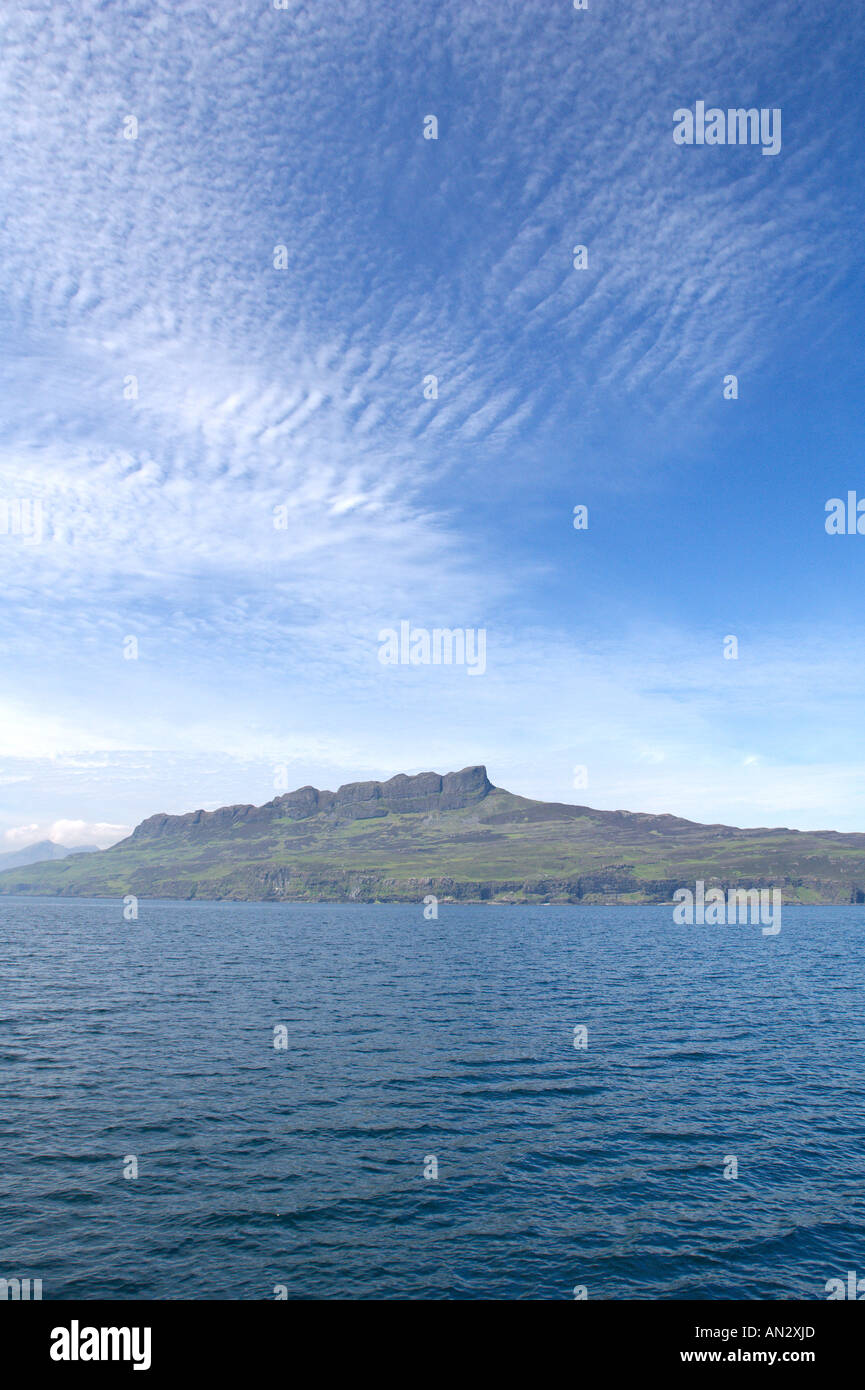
pixel 456 836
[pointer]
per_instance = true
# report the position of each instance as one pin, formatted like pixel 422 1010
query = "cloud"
pixel 21 835
pixel 65 832
pixel 296 396
pixel 79 832
pixel 302 388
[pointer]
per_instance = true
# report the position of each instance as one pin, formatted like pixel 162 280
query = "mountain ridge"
pixel 38 852
pixel 457 836
pixel 355 800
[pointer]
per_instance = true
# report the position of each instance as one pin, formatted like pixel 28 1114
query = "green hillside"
pixel 455 836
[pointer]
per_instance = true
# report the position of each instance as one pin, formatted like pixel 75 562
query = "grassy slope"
pixel 504 847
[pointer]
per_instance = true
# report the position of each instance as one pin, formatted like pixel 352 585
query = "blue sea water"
pixel 303 1166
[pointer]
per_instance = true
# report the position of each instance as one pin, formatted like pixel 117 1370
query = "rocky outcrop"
pixel 404 795
pixel 401 795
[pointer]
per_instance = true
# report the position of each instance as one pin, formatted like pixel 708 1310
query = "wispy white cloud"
pixel 260 389
pixel 71 833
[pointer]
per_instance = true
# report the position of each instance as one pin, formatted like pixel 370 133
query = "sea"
pixel 268 1101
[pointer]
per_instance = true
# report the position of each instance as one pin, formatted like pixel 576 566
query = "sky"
pixel 231 260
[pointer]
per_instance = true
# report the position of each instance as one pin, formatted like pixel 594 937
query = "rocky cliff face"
pixel 355 801
pixel 486 845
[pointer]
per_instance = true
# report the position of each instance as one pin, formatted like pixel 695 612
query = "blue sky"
pixel 303 388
